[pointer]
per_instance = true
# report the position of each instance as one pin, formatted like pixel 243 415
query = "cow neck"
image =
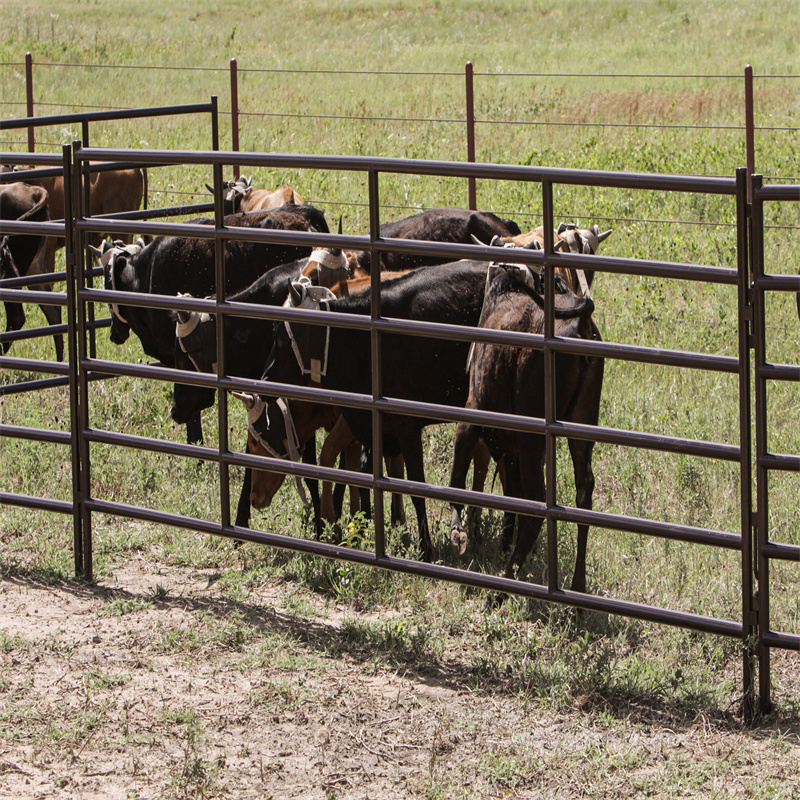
pixel 185 329
pixel 258 424
pixel 317 298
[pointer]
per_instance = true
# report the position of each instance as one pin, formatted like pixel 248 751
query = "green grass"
pixel 606 660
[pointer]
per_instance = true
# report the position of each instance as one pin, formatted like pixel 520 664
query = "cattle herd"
pixel 501 295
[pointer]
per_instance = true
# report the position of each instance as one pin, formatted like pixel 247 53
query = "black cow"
pixel 171 264
pixel 511 380
pixel 453 225
pixel 24 254
pixel 247 344
pixel 430 370
pixel 15 314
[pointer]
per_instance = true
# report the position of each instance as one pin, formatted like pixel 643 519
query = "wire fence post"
pixel 29 98
pixel 235 113
pixel 473 203
pixel 750 133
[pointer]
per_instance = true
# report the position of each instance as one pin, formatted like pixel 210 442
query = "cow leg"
pixel 481 459
pixel 365 466
pixel 338 439
pixel 310 457
pixel 53 316
pixel 395 468
pixel 586 409
pixel 352 461
pixel 464 448
pixel 527 481
pixel 338 492
pixel 243 506
pixel 45 262
pixel 581 453
pixel 194 430
pixel 507 462
pixel 411 446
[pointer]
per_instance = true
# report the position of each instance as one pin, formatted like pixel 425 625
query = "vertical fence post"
pixel 72 212
pixel 749 133
pixel 549 356
pixel 29 98
pixel 749 602
pixel 762 473
pixel 220 246
pixel 73 284
pixel 473 203
pixel 235 113
pixel 375 360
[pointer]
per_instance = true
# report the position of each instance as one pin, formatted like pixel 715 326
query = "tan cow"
pixel 577 240
pixel 241 196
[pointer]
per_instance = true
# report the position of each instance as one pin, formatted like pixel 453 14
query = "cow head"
pixel 309 342
pixel 279 429
pixel 328 266
pixel 115 257
pixel 532 273
pixel 583 240
pixel 234 193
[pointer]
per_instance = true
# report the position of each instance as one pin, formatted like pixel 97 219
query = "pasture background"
pixel 546 656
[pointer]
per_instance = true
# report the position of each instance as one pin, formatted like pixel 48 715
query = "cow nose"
pixel 119 333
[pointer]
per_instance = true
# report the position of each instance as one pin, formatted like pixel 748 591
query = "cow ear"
pixel 533 244
pixel 295 293
pixel 497 242
pixel 249 400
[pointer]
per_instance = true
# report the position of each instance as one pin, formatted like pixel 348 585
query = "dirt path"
pixel 167 689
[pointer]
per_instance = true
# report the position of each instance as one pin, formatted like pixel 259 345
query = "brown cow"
pixel 584 241
pixel 109 193
pixel 511 380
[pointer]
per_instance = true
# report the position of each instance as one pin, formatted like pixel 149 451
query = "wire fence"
pixel 28 100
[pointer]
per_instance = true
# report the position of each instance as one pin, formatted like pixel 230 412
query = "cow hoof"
pixel 458 538
pixel 493 601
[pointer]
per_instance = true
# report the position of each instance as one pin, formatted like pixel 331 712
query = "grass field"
pixel 556 661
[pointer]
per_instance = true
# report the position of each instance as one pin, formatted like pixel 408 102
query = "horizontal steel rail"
pixel 103 116
pixel 619 180
pixel 436 571
pixel 38 503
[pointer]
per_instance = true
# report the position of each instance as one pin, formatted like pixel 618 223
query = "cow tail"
pixel 144 188
pixel 41 202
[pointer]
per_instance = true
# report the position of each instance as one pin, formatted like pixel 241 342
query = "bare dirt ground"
pixel 144 688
